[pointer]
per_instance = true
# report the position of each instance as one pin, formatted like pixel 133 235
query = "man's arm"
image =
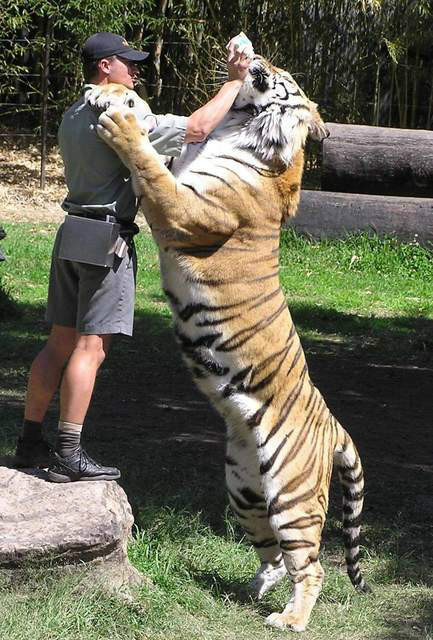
pixel 205 119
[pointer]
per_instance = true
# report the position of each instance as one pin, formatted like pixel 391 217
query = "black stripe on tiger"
pixel 264 363
pixel 204 251
pixel 268 379
pixel 203 341
pixel 208 201
pixel 351 523
pixel 266 173
pixel 245 506
pixel 295 359
pixel 256 419
pixel 346 477
pixel 352 560
pixel 297 481
pixel 251 496
pixel 236 384
pixel 244 335
pixel 192 309
pixel 312 558
pixel 277 506
pixel 294 450
pixel 198 352
pixel 266 466
pixel 352 496
pixel 264 299
pixel 241 375
pixel 286 408
pixel 212 175
pixel 292 545
pixel 264 544
pixel 304 522
pixel 241 280
pixel 350 542
pixel 216 323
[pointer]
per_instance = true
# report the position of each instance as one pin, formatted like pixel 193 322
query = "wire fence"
pixel 42 92
pixel 29 105
pixel 31 94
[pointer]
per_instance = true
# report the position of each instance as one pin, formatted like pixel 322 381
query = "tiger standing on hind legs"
pixel 217 218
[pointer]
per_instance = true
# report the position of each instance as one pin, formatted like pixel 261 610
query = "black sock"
pixel 68 438
pixel 31 431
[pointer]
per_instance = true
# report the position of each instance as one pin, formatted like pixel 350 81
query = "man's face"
pixel 121 71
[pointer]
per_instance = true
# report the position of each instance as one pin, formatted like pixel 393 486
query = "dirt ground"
pixel 384 399
pixel 21 197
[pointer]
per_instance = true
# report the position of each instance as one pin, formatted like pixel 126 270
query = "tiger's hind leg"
pixel 268 575
pixel 306 572
pixel 296 614
pixel 248 504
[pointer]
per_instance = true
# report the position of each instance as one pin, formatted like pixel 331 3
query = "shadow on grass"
pixel 417 626
pixel 148 419
pixel 412 335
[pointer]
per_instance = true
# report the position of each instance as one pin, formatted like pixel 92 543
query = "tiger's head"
pixel 281 114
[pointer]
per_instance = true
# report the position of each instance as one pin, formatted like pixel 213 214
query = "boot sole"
pixel 58 477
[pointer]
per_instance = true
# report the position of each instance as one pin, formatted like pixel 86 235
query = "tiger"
pixel 216 216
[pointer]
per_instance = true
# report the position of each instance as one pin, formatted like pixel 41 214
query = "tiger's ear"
pixel 317 129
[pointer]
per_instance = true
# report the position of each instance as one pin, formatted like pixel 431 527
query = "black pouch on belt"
pixel 88 240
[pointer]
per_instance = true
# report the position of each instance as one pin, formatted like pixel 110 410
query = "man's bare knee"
pixel 94 347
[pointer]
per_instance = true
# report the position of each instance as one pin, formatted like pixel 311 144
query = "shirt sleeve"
pixel 168 136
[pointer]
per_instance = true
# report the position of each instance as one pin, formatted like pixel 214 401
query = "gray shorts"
pixel 95 300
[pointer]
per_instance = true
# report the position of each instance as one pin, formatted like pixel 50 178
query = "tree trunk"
pixel 378 160
pixel 326 215
pixel 156 81
pixel 430 104
pixel 415 90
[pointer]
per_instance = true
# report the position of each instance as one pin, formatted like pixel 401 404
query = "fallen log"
pixel 378 160
pixel 324 214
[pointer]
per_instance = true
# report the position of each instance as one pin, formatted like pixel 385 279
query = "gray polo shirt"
pixel 97 180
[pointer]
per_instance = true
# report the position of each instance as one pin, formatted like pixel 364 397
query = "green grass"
pixel 199 591
pixel 348 298
pixel 361 274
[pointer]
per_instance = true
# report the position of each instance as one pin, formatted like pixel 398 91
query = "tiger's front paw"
pixel 286 620
pixel 121 131
pixel 102 97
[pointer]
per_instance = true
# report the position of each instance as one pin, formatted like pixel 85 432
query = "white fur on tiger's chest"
pixel 215 161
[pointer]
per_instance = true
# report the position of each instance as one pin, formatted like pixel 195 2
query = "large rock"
pixel 75 526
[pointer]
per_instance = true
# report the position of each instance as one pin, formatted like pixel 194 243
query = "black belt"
pixel 95 216
pixel 128 229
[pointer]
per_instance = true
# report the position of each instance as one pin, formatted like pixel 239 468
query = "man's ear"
pixel 104 65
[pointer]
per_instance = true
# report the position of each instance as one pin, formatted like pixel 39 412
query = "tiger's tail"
pixel 351 478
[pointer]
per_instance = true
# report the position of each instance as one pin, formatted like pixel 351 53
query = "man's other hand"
pixel 239 55
pixel 237 65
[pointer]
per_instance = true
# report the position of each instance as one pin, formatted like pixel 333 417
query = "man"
pixel 88 304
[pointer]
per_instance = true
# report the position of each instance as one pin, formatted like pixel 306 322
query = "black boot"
pixel 79 466
pixel 32 453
